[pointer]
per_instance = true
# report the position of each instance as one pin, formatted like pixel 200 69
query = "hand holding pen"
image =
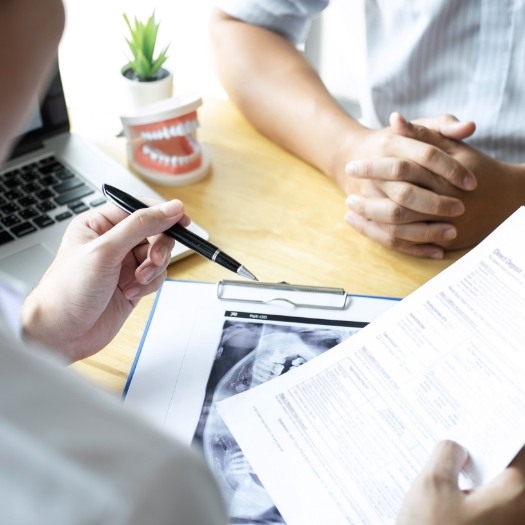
pixel 186 237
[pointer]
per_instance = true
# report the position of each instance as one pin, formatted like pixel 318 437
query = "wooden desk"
pixel 278 216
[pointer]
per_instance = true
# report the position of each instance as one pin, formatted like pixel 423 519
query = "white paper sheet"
pixel 198 349
pixel 340 439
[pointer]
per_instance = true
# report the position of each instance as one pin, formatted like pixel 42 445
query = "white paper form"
pixel 198 349
pixel 340 439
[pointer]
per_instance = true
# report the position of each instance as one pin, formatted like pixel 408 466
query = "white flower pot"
pixel 140 93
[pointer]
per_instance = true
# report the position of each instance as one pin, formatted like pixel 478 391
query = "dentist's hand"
pixel 435 498
pixel 107 262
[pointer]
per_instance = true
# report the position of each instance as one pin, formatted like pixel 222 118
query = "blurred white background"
pixel 93 50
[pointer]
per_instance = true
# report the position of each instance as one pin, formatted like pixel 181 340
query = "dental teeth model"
pixel 163 144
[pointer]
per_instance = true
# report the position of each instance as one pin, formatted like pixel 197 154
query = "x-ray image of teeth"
pixel 249 354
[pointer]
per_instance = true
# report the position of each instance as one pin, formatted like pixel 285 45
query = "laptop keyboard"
pixel 40 194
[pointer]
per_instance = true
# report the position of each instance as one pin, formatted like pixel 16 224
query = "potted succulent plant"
pixel 147 78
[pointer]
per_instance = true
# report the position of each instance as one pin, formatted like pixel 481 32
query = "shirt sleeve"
pixel 72 454
pixel 288 18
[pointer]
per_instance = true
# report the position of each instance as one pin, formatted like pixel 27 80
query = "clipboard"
pixel 265 293
pixel 186 321
pixel 205 341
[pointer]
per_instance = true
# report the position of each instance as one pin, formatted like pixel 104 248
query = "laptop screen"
pixel 49 118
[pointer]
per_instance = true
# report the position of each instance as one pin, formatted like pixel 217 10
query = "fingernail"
pixel 469 182
pixel 437 254
pixel 171 208
pixel 352 168
pixel 148 273
pixel 352 200
pixel 458 208
pixel 349 219
pixel 164 252
pixel 398 115
pixel 449 233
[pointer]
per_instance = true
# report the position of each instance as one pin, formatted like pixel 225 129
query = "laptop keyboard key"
pixel 51 167
pixel 31 187
pixel 12 183
pixel 46 206
pixel 68 185
pixel 97 202
pixel 78 207
pixel 48 180
pixel 63 216
pixel 9 208
pixel 43 221
pixel 10 220
pixel 23 229
pixel 28 213
pixel 76 194
pixel 44 194
pixel 64 174
pixel 12 195
pixel 30 176
pixel 25 202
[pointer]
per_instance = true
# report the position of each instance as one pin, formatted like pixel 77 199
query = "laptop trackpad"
pixel 28 265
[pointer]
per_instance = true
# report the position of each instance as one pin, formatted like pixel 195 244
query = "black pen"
pixel 186 237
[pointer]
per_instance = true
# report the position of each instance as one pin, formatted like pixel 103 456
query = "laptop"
pixel 51 176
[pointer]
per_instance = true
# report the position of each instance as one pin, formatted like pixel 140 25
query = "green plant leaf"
pixel 141 43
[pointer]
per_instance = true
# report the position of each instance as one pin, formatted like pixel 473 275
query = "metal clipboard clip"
pixel 264 293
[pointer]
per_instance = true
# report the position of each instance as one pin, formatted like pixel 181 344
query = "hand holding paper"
pixel 435 498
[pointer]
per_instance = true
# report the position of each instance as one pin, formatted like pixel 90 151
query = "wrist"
pixel 347 146
pixel 38 326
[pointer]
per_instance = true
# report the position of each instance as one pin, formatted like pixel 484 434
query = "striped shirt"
pixel 427 58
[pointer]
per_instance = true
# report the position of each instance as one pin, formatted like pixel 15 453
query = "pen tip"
pixel 244 272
